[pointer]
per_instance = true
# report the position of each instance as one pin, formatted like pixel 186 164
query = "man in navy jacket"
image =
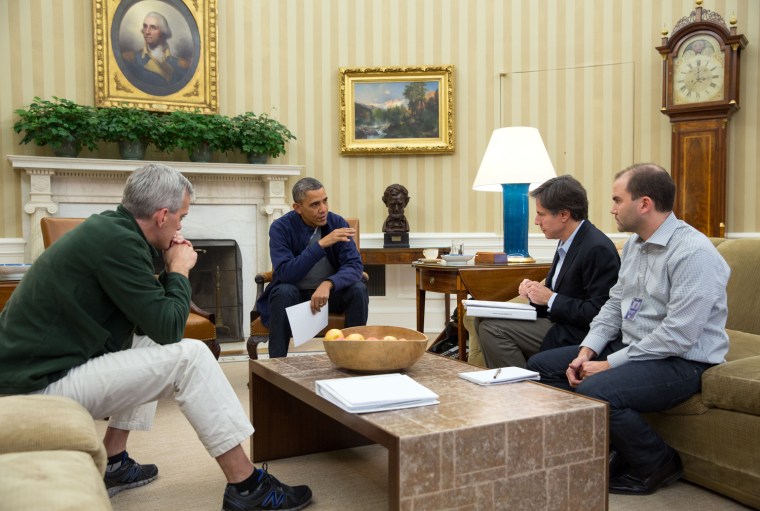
pixel 585 267
pixel 314 258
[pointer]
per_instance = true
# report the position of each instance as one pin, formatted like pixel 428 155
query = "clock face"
pixel 698 75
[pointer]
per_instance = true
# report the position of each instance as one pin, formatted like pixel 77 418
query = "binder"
pixel 502 310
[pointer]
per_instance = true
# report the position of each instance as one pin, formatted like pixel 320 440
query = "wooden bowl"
pixel 377 355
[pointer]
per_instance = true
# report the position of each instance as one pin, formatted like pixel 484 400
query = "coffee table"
pixel 521 445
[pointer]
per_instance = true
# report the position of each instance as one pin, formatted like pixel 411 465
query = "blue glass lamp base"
pixel 515 197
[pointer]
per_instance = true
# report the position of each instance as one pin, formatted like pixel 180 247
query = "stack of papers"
pixel 376 393
pixel 500 375
pixel 504 310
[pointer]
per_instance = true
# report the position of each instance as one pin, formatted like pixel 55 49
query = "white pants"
pixel 125 386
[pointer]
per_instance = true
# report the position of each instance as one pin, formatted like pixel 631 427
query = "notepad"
pixel 505 375
pixel 503 310
pixel 375 393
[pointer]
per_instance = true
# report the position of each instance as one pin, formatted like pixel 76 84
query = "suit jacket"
pixel 590 269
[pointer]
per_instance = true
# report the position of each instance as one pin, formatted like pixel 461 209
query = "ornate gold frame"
pixel 118 80
pixel 350 78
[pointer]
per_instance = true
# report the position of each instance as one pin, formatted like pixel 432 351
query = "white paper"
pixel 303 323
pixel 381 392
pixel 502 375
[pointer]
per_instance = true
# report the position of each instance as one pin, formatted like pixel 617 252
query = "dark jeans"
pixel 353 301
pixel 631 389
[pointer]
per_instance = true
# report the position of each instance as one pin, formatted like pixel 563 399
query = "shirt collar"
pixel 664 232
pixel 565 245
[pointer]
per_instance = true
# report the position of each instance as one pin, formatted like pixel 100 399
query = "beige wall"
pixel 283 57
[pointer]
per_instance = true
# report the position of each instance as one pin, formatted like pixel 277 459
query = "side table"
pixel 482 281
pixel 6 288
pixel 383 256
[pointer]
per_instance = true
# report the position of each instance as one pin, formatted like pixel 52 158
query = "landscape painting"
pixel 397 110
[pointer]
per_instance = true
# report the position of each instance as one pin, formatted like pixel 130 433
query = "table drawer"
pixel 438 281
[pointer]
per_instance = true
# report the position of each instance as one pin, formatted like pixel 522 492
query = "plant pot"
pixel 68 149
pixel 256 158
pixel 132 149
pixel 201 154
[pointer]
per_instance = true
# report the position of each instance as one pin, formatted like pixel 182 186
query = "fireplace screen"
pixel 216 282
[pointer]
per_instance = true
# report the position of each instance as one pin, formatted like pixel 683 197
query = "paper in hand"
pixel 303 323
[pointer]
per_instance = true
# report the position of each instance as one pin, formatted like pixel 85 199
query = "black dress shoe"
pixel 617 465
pixel 631 484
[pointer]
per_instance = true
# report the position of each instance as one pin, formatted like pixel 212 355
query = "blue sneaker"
pixel 271 494
pixel 128 474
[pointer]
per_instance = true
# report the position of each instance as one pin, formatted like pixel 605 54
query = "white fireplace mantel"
pixel 232 201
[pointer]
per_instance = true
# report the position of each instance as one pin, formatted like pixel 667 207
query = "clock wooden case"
pixel 700 93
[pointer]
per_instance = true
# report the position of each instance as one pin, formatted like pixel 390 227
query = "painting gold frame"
pixel 375 112
pixel 185 77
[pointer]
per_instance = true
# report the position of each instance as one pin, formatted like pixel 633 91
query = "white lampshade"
pixel 514 155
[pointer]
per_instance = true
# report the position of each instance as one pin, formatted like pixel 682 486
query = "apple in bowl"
pixel 333 334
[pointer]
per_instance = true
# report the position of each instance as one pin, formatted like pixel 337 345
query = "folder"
pixel 375 393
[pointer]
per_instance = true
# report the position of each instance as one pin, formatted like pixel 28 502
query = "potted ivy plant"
pixel 260 136
pixel 132 128
pixel 197 133
pixel 63 124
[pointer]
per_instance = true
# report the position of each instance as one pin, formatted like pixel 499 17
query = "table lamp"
pixel 514 159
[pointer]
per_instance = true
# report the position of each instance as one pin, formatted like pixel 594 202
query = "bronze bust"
pixel 396 197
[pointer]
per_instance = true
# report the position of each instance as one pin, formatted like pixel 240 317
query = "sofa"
pixel 51 457
pixel 717 432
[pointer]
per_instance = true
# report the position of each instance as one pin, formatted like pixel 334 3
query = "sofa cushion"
pixel 742 345
pixel 733 386
pixel 743 256
pixel 52 481
pixel 41 423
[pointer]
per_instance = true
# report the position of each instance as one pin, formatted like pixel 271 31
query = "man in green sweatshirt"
pixel 91 321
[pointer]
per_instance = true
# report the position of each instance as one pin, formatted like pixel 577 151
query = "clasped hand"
pixel 582 367
pixel 180 257
pixel 535 292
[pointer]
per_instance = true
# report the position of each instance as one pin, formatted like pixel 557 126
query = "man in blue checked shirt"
pixel 662 327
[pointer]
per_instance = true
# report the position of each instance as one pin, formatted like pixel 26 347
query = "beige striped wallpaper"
pixel 584 71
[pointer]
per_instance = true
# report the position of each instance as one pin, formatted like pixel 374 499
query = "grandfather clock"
pixel 700 93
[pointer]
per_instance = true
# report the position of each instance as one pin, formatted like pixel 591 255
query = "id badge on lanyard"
pixel 633 309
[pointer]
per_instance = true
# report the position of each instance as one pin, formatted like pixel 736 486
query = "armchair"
pixel 260 333
pixel 200 324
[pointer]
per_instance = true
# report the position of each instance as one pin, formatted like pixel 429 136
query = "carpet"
pixel 350 479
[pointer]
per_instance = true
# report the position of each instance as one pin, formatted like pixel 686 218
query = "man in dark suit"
pixel 585 267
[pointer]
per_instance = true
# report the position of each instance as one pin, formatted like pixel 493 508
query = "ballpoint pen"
pixel 496 374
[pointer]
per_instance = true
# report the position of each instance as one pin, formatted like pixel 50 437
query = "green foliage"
pixel 190 130
pixel 57 122
pixel 260 134
pixel 62 122
pixel 126 123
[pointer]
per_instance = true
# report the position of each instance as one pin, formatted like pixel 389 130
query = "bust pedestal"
pixel 396 240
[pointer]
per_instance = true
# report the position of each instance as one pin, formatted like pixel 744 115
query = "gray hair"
pixel 163 25
pixel 307 184
pixel 154 187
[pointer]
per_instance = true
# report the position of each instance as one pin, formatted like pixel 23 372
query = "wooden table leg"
pixel 420 304
pixel 461 331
